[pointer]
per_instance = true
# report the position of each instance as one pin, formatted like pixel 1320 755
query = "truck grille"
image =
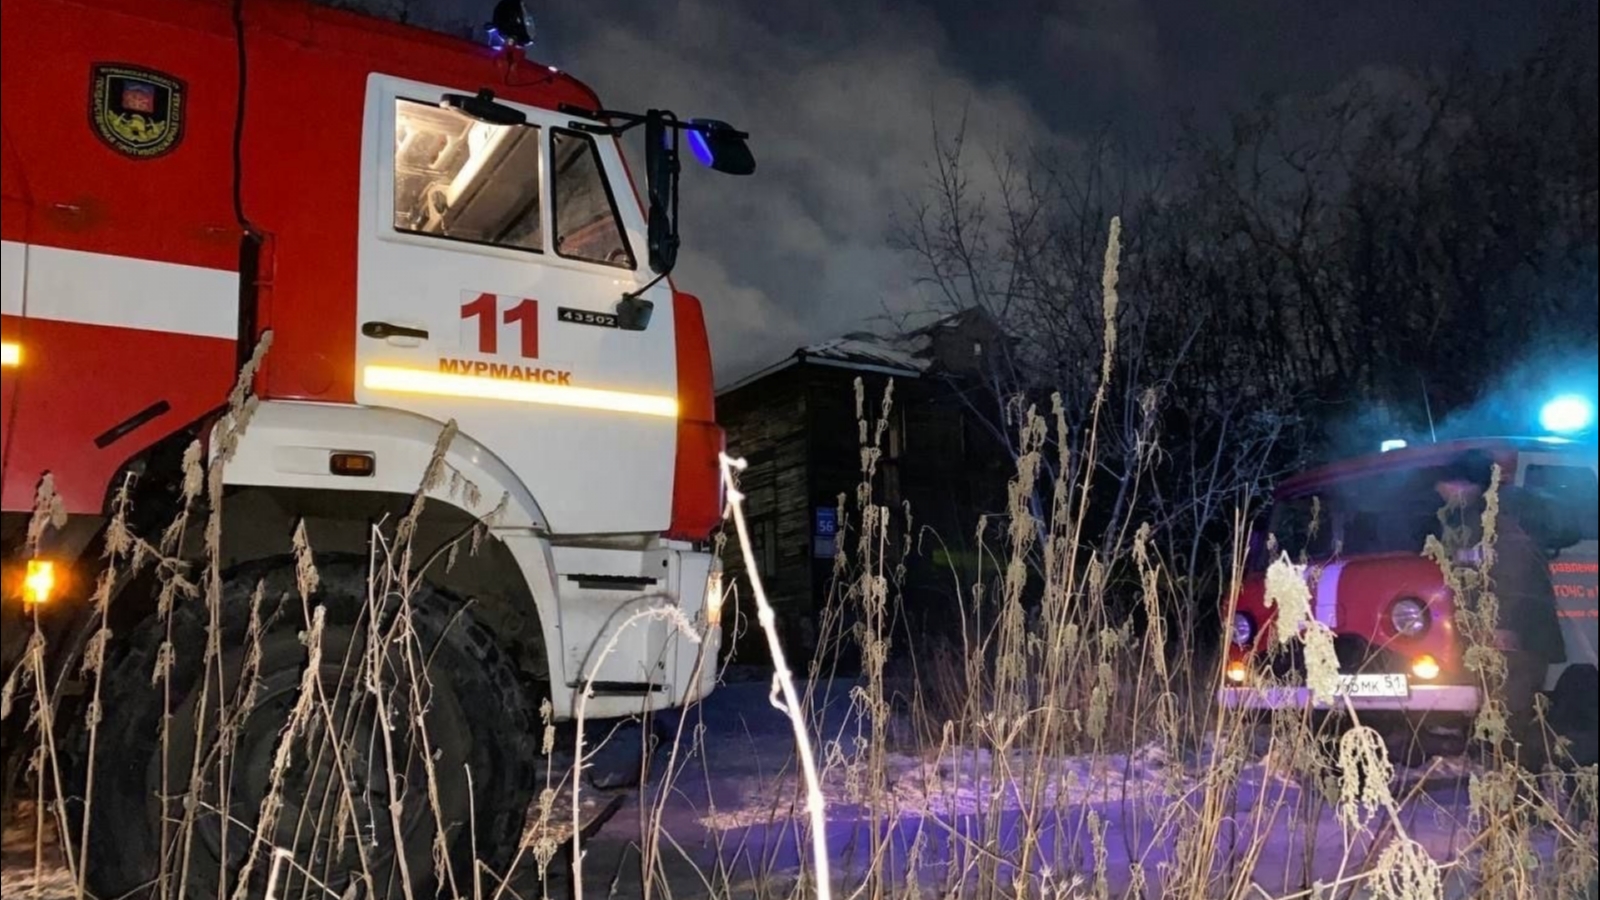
pixel 1355 653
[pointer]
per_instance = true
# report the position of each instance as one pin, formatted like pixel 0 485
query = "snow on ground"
pixel 969 782
pixel 21 875
pixel 734 801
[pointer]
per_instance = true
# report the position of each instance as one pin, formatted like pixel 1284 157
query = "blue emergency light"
pixel 1567 414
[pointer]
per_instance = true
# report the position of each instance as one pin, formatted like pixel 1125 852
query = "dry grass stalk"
pixel 784 696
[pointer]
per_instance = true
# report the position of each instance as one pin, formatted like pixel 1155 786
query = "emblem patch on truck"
pixel 134 111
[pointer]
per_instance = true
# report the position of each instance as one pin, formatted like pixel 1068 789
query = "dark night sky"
pixel 840 97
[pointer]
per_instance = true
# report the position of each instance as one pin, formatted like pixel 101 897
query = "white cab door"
pixel 490 267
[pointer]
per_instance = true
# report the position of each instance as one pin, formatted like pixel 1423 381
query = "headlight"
pixel 1409 617
pixel 1243 629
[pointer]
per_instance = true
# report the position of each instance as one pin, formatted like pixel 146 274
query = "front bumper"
pixel 1422 698
pixel 616 636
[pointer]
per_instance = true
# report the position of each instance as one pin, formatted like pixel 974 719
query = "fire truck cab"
pixel 1360 527
pixel 418 230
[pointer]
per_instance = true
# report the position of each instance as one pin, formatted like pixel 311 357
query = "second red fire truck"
pixel 1359 527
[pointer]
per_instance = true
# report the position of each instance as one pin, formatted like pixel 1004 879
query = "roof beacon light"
pixel 511 25
pixel 1392 444
pixel 1567 414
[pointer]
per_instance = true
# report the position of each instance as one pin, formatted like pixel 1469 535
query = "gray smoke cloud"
pixel 840 105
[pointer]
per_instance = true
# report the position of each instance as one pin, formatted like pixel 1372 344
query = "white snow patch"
pixel 970 782
pixel 869 349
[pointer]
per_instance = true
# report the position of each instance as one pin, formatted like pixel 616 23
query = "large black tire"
pixel 479 717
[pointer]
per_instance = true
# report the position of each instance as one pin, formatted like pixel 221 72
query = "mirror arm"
pixel 628 120
pixel 631 120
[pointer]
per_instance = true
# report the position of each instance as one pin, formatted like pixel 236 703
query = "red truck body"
pixel 155 340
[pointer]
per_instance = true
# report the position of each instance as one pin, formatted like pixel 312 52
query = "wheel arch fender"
pixel 500 576
pixel 278 476
pixel 292 444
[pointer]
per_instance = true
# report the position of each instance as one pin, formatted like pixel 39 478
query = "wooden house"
pixel 795 423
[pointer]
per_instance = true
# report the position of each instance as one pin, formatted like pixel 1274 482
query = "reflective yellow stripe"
pixel 421 381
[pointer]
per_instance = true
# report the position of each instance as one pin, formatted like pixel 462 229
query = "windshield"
pixel 458 178
pixel 465 180
pixel 1395 512
pixel 1386 513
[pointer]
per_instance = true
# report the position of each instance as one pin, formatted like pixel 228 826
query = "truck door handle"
pixel 383 331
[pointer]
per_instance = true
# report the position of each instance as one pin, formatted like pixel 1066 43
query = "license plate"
pixel 1371 685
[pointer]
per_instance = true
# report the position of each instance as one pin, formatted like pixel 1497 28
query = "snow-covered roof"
pixel 909 354
pixel 905 355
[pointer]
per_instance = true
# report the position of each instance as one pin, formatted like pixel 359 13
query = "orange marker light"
pixel 353 465
pixel 1425 667
pixel 1237 672
pixel 714 597
pixel 39 583
pixel 10 355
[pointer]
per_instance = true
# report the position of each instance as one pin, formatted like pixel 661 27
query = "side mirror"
pixel 719 147
pixel 715 143
pixel 661 171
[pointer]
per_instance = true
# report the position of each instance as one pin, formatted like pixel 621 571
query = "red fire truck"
pixel 431 230
pixel 1360 526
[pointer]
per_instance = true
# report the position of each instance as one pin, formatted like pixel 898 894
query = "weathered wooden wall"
pixel 798 429
pixel 766 423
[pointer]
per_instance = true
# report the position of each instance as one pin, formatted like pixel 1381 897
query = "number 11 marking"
pixel 525 315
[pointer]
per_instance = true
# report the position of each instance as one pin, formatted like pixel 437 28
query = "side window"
pixel 1563 499
pixel 464 180
pixel 586 223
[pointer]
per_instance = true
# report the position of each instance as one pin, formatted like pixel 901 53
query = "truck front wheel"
pixel 416 736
